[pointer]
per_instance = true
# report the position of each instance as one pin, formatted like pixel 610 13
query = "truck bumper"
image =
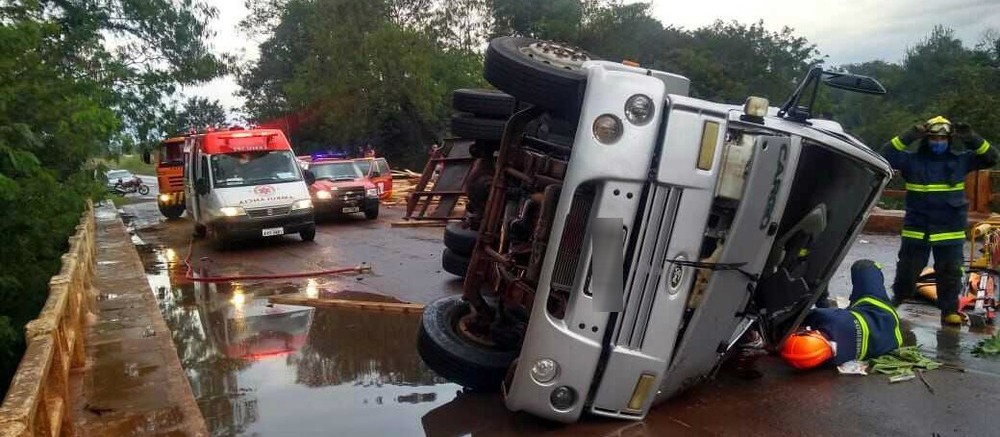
pixel 247 228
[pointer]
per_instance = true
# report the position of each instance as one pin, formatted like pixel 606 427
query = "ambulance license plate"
pixel 270 232
pixel 351 209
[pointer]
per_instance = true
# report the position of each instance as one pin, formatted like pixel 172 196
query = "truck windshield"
pixel 171 154
pixel 252 168
pixel 336 171
pixel 364 165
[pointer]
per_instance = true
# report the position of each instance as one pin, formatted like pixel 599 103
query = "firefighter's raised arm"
pixel 895 151
pixel 983 154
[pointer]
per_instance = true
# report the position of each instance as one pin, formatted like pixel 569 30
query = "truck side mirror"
pixel 309 177
pixel 201 186
pixel 146 157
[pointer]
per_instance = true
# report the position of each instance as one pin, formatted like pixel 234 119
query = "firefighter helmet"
pixel 939 126
pixel 806 349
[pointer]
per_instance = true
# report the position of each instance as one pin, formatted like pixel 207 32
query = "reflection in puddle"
pixel 275 369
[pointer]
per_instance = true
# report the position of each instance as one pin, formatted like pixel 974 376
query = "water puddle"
pixel 273 369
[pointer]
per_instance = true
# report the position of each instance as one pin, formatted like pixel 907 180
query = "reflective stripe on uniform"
pixel 983 147
pixel 960 235
pixel 913 234
pixel 884 306
pixel 898 144
pixel 934 188
pixel 864 334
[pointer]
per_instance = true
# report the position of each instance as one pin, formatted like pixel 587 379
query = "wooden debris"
pixel 318 302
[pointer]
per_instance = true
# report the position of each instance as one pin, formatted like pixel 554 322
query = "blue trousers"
pixel 948 260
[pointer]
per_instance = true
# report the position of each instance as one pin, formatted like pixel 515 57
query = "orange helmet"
pixel 806 349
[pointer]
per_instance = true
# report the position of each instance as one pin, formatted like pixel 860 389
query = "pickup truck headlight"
pixel 302 204
pixel 371 192
pixel 323 195
pixel 232 211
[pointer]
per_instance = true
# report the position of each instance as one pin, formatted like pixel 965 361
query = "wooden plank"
pixel 427 223
pixel 317 302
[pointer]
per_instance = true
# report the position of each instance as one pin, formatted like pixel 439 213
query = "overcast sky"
pixel 846 31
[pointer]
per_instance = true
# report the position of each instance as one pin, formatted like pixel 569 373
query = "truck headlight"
pixel 302 204
pixel 164 198
pixel 323 195
pixel 544 370
pixel 563 398
pixel 232 211
pixel 639 109
pixel 371 192
pixel 607 128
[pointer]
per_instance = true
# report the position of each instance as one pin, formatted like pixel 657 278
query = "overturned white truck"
pixel 617 267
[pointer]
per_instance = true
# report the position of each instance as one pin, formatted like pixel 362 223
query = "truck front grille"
pixel 647 263
pixel 570 248
pixel 269 212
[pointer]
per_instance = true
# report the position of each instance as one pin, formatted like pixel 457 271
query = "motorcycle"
pixel 133 185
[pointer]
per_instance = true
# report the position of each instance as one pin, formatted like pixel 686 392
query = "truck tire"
pixel 371 213
pixel 474 128
pixel 460 239
pixel 538 72
pixel 309 234
pixel 454 263
pixel 484 103
pixel 451 355
pixel 171 212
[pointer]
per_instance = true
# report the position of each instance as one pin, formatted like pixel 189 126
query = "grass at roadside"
pixel 132 163
pixel 119 201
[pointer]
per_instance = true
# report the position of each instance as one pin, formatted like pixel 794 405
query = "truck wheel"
pixel 538 72
pixel 171 211
pixel 454 263
pixel 453 356
pixel 484 103
pixel 371 214
pixel 469 126
pixel 199 230
pixel 459 239
pixel 309 234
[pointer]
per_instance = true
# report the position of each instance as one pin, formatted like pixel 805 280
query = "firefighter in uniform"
pixel 936 208
pixel 867 329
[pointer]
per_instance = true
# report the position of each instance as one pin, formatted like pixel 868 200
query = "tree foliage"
pixel 360 71
pixel 76 77
pixel 196 113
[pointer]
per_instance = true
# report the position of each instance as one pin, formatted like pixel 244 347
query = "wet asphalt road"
pixel 259 369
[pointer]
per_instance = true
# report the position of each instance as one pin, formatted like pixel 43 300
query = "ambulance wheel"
pixel 171 211
pixel 460 239
pixel 454 263
pixel 448 351
pixel 483 103
pixel 542 73
pixel 471 127
pixel 309 234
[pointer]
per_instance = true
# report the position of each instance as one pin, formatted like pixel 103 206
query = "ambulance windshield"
pixel 252 168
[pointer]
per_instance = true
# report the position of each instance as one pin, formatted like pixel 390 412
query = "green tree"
pixel 198 113
pixel 356 71
pixel 76 77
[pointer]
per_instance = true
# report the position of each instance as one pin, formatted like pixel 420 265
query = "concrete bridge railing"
pixel 37 401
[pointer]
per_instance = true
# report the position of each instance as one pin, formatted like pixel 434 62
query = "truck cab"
pixel 169 162
pixel 246 184
pixel 618 271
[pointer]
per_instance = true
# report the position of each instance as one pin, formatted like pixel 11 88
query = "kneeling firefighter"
pixel 936 208
pixel 867 329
